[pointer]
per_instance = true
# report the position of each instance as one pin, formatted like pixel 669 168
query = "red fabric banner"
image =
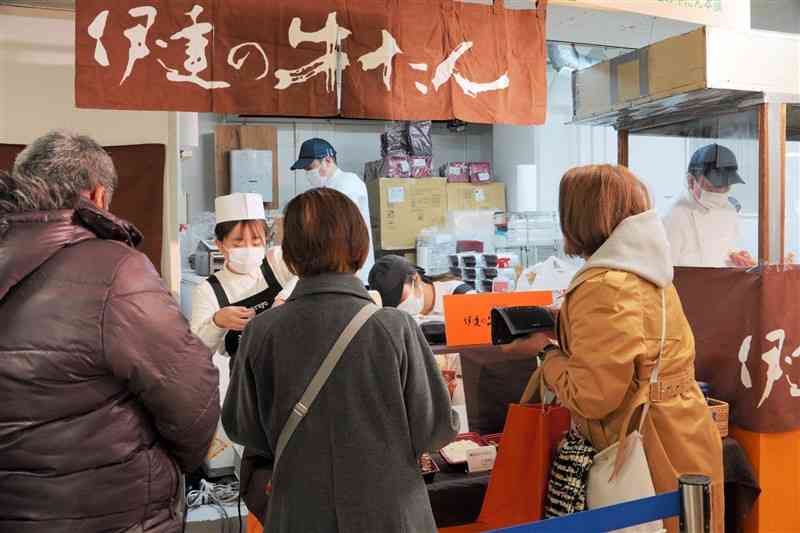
pixel 380 59
pixel 747 333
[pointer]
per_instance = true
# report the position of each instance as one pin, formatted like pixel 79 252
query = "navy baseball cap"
pixel 311 150
pixel 717 163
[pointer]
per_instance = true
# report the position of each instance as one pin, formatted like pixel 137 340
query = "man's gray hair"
pixel 54 171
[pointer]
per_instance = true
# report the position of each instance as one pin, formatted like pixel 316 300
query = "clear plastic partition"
pixel 792 214
pixel 710 210
pixel 535 236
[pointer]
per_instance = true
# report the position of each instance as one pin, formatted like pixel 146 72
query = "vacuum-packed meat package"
pixel 419 138
pixel 393 166
pixel 455 172
pixel 480 172
pixel 421 166
pixel 394 140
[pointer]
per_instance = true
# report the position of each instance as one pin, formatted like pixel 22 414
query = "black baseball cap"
pixel 311 150
pixel 717 163
pixel 388 277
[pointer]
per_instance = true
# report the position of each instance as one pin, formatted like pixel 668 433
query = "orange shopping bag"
pixel 253 525
pixel 518 483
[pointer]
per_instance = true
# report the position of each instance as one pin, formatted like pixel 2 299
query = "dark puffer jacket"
pixel 105 395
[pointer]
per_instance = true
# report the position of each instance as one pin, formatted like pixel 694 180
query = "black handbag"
pixel 569 476
pixel 434 333
pixel 512 323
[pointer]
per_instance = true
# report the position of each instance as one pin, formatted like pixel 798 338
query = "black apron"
pixel 255 470
pixel 258 302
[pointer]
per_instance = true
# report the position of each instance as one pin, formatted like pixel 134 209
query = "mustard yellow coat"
pixel 609 333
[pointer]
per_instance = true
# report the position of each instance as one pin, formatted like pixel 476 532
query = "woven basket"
pixel 720 412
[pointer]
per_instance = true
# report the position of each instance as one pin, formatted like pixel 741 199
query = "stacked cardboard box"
pixel 401 208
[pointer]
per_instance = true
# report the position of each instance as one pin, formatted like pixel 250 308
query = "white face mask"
pixel 246 260
pixel 713 200
pixel 316 179
pixel 413 304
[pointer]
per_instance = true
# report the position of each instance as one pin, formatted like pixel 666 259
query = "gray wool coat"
pixel 351 466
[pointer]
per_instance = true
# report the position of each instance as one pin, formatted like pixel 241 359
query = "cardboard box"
pixel 674 66
pixel 410 254
pixel 400 208
pixel 467 196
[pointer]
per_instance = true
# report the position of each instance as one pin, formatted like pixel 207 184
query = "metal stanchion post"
pixel 695 504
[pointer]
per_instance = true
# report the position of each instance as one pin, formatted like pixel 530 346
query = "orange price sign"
pixel 468 317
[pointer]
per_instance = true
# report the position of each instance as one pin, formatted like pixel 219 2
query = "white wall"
pixel 775 15
pixel 37 91
pixel 554 147
pixel 37 94
pixel 355 141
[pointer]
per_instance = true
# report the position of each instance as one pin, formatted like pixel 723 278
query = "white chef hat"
pixel 239 206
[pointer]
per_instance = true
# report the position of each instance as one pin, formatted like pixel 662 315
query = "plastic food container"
pixel 471 274
pixel 469 260
pixel 434 249
pixel 490 273
pixel 428 467
pixel 472 437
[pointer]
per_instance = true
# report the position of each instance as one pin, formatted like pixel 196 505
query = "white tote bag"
pixel 620 473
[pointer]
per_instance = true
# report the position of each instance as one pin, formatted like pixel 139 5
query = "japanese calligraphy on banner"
pixel 747 333
pixel 726 13
pixel 468 317
pixel 382 59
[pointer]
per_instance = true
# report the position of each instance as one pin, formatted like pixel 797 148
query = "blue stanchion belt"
pixel 607 518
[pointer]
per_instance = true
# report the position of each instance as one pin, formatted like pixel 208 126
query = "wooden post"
pixel 772 182
pixel 782 125
pixel 622 147
pixel 763 183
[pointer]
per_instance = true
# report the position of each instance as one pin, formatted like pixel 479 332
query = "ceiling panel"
pixel 568 24
pixel 44 4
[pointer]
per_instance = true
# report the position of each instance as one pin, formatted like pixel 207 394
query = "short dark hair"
pixel 593 200
pixel 324 232
pixel 223 229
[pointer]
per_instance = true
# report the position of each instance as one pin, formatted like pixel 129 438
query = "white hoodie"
pixel 638 245
pixel 702 234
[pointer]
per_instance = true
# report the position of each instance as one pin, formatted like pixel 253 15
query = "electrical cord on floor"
pixel 217 495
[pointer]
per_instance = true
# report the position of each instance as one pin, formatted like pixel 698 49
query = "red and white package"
pixel 480 172
pixel 455 172
pixel 396 166
pixel 421 166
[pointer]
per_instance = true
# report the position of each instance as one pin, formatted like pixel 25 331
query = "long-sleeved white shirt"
pixel 237 287
pixel 354 188
pixel 701 236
